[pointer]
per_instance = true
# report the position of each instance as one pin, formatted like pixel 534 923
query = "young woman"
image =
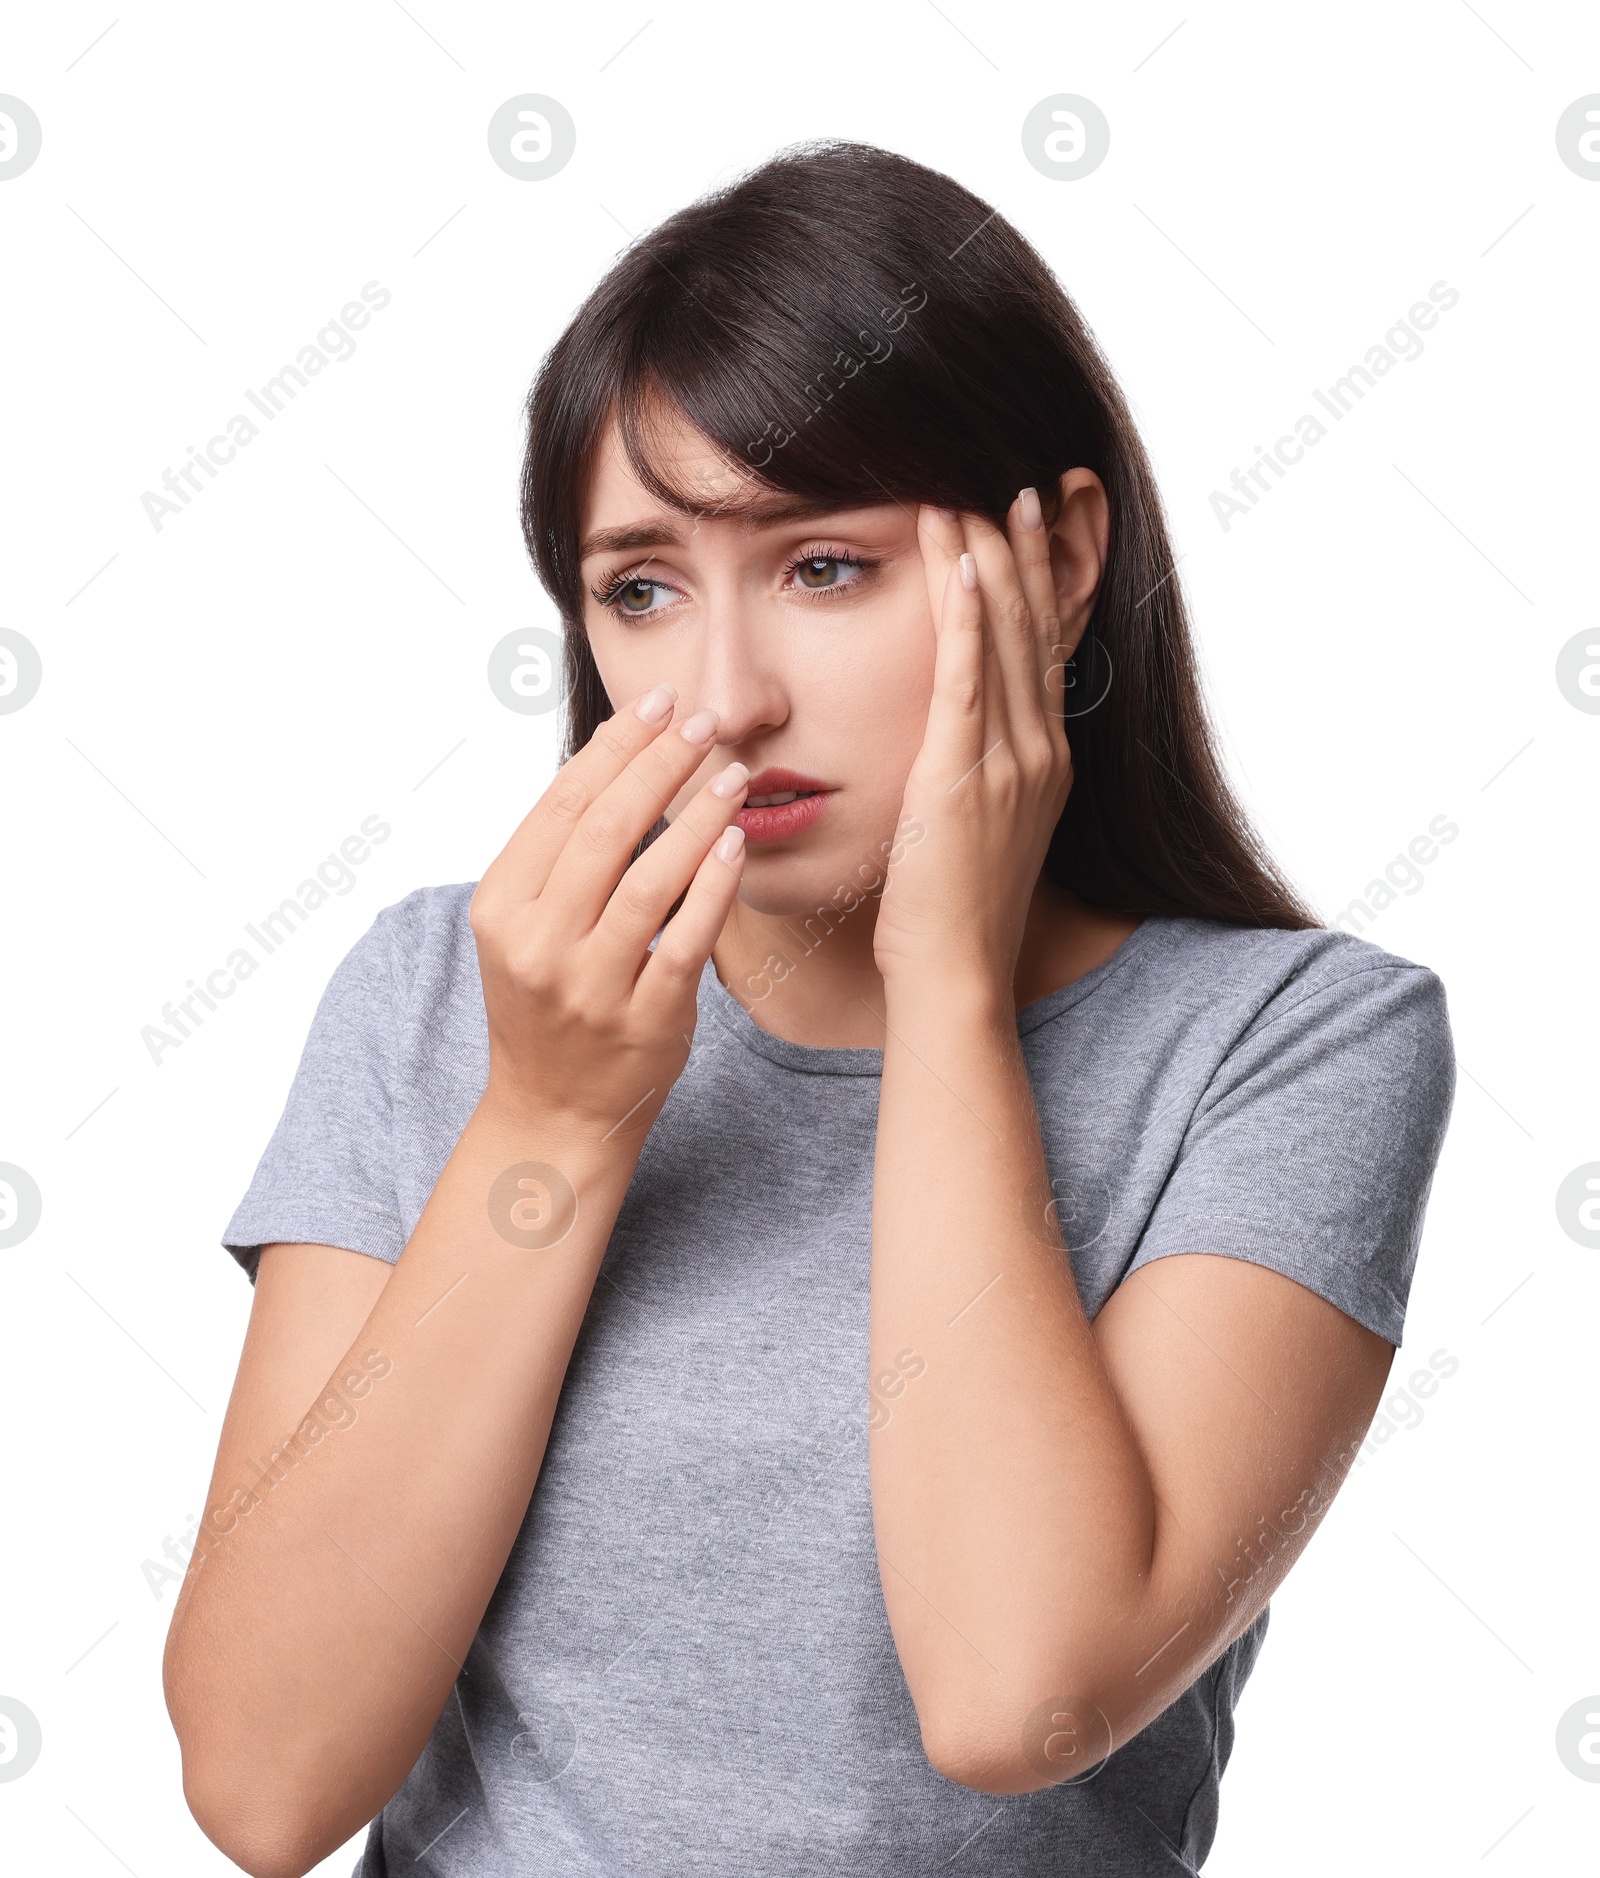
pixel 799 1321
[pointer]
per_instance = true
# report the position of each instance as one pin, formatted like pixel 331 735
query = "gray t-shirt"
pixel 686 1668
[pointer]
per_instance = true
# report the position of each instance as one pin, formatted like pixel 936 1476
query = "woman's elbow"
pixel 273 1817
pixel 985 1767
pixel 276 1799
pixel 264 1838
pixel 1003 1751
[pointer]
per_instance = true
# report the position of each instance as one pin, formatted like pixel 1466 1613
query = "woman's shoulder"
pixel 1252 980
pixel 1269 958
pixel 417 949
pixel 430 917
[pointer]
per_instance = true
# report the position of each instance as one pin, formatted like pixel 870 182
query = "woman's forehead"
pixel 621 514
pixel 683 456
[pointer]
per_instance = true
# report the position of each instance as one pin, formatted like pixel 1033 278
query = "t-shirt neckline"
pixel 719 1004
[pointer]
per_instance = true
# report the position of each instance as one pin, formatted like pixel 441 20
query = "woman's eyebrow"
pixel 632 535
pixel 762 512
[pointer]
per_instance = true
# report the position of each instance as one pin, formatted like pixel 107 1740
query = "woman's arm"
pixel 352 1539
pixel 1072 1521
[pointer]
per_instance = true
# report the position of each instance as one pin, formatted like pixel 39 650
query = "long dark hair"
pixel 851 327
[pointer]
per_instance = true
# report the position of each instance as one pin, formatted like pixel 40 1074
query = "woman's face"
pixel 808 631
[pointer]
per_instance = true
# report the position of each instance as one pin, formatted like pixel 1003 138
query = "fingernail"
pixel 1028 510
pixel 700 728
pixel 729 842
pixel 969 573
pixel 656 704
pixel 949 514
pixel 731 782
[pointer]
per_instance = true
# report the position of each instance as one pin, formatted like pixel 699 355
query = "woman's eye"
pixel 818 572
pixel 632 592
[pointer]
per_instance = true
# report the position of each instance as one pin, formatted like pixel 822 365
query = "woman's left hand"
pixel 995 767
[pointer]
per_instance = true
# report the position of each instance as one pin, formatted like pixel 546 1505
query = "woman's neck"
pixel 812 979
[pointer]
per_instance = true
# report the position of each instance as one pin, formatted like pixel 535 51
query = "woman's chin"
pixel 789 880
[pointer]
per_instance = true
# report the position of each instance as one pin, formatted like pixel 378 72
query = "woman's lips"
pixel 782 821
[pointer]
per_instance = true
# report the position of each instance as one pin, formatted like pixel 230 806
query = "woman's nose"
pixel 745 689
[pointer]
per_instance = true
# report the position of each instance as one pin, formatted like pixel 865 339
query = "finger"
pixel 954 535
pixel 672 971
pixel 940 536
pixel 1009 610
pixel 953 741
pixel 645 894
pixel 520 870
pixel 601 846
pixel 1030 543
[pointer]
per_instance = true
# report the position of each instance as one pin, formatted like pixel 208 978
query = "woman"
pixel 886 992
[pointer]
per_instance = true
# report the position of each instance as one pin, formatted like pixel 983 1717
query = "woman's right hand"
pixel 587 1025
pixel 317 1639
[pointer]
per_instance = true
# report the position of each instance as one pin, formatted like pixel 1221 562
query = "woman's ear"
pixel 1080 536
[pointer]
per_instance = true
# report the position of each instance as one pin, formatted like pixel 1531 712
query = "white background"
pixel 227 699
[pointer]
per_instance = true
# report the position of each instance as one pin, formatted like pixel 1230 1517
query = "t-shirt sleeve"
pixel 1314 1147
pixel 327 1175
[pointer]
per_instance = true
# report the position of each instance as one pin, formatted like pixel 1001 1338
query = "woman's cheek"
pixel 616 666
